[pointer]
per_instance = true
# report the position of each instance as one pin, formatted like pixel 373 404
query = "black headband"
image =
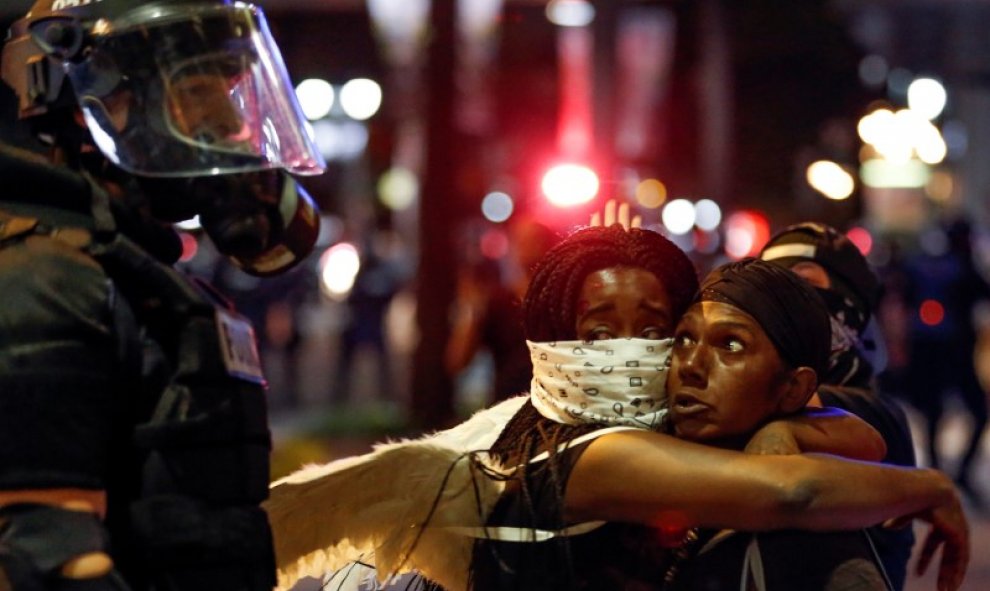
pixel 792 315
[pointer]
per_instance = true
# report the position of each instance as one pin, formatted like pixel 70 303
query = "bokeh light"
pixel 896 142
pixel 494 243
pixel 707 215
pixel 931 312
pixel 315 98
pixel 570 13
pixel 862 238
pixel 567 185
pixel 360 98
pixel 651 193
pixel 830 179
pixel 339 265
pixel 872 126
pixel 929 145
pixel 678 216
pixel 897 136
pixel 882 173
pixel 497 206
pixel 398 188
pixel 745 233
pixel 927 97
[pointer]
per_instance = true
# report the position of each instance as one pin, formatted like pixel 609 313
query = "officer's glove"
pixel 48 548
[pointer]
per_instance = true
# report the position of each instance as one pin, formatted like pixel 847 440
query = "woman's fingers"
pixel 609 213
pixel 623 217
pixel 615 213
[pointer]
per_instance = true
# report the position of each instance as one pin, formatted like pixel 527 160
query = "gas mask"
pixel 263 221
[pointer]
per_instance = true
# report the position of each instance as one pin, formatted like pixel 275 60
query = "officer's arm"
pixel 59 370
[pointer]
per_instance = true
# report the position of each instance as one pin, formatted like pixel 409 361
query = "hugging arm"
pixel 646 477
pixel 821 430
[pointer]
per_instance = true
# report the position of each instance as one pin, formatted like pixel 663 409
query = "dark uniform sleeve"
pixel 65 364
pixel 59 359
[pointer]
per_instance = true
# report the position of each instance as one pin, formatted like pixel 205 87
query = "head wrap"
pixel 852 280
pixel 788 310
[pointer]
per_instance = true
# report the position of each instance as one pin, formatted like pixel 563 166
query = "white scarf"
pixel 614 381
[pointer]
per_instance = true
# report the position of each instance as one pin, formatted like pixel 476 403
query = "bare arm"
pixel 821 430
pixel 644 477
pixel 634 476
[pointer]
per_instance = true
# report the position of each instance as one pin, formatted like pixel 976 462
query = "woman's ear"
pixel 798 389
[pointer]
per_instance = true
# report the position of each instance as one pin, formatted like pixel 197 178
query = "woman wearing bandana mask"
pixel 582 452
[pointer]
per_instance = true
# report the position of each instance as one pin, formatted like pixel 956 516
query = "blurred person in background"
pixel 487 313
pixel 839 272
pixel 377 282
pixel 943 288
pixel 134 439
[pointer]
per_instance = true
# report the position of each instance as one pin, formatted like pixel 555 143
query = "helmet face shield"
pixel 200 91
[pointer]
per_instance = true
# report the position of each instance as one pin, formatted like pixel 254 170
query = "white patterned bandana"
pixel 614 381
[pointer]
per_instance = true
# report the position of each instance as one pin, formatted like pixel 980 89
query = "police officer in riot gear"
pixel 133 432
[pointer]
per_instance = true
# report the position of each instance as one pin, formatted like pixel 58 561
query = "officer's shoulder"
pixel 40 254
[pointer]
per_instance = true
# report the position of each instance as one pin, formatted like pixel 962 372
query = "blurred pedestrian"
pixel 377 282
pixel 943 289
pixel 487 313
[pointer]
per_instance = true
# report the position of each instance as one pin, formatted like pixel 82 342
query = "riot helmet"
pixel 190 103
pixel 172 88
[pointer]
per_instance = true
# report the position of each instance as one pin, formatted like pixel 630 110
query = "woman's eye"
pixel 600 334
pixel 683 340
pixel 734 345
pixel 652 333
